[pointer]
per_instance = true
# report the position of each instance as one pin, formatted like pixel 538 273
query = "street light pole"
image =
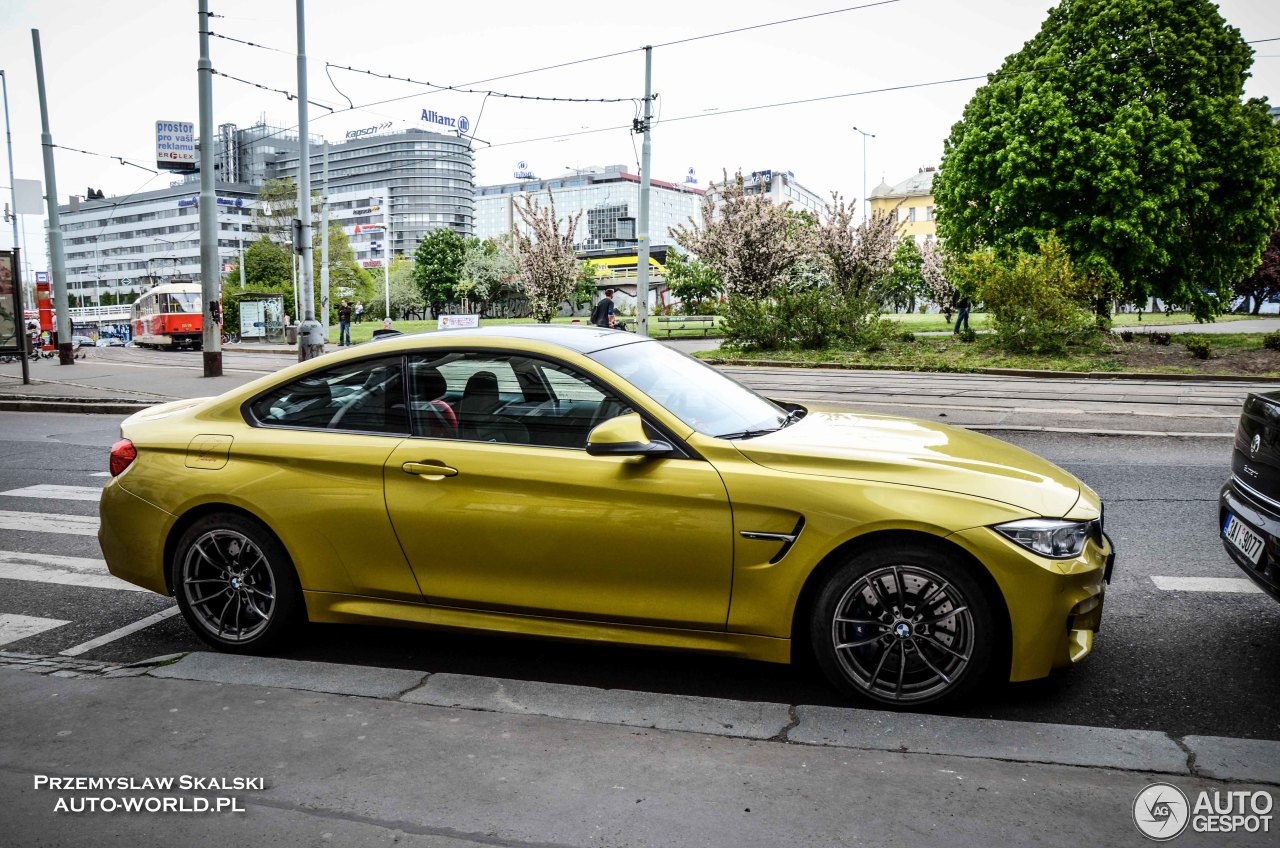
pixel 866 201
pixel 57 258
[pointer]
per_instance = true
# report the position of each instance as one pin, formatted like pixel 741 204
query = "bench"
pixel 671 323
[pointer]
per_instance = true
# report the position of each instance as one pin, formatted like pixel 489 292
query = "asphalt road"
pixel 1177 661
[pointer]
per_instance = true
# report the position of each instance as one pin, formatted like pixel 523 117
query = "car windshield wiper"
pixel 748 434
pixel 793 416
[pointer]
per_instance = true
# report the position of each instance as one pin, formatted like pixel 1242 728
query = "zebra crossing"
pixel 36 557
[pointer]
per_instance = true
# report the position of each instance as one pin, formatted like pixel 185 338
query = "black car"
pixel 1249 506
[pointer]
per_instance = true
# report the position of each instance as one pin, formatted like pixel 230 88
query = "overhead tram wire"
pixel 884 90
pixel 573 62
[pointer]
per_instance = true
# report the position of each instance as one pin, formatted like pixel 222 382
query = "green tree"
pixel 438 266
pixel 346 277
pixel 691 281
pixel 488 272
pixel 1121 127
pixel 267 265
pixel 584 285
pixel 905 281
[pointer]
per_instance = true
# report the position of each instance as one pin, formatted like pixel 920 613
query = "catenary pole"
pixel 210 270
pixel 324 243
pixel 866 201
pixel 386 254
pixel 642 257
pixel 57 260
pixel 310 340
pixel 24 344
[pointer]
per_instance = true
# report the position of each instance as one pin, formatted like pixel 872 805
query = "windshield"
pixel 694 392
pixel 182 302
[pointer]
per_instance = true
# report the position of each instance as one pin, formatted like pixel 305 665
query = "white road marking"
pixel 1206 584
pixel 15 627
pixel 61 570
pixel 39 522
pixel 61 493
pixel 100 474
pixel 120 633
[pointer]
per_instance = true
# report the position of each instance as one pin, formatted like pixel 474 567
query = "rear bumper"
pixel 132 534
pixel 1263 517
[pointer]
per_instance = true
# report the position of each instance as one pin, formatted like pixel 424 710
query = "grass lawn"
pixel 935 322
pixel 1233 354
pixel 362 332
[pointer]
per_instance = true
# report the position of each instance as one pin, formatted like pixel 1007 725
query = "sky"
pixel 115 67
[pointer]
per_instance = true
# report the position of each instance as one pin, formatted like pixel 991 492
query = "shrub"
pixel 1271 341
pixel 1198 346
pixel 908 336
pixel 1126 335
pixel 968 336
pixel 1160 338
pixel 1034 299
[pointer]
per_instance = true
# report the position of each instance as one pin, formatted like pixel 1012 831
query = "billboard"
pixel 11 325
pixel 176 145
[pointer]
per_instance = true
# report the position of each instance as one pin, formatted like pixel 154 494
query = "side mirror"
pixel 624 435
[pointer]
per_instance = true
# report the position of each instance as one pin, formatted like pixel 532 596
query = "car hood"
pixel 832 442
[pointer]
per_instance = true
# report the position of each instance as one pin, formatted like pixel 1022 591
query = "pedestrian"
pixel 344 323
pixel 962 304
pixel 602 315
pixel 359 312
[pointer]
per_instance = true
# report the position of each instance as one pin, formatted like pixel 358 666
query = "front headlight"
pixel 1050 537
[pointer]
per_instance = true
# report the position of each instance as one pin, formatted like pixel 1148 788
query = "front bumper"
pixel 1055 606
pixel 1263 517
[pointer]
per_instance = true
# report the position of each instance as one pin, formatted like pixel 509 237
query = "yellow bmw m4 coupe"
pixel 580 483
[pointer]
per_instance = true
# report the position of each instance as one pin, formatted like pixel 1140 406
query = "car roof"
pixel 580 338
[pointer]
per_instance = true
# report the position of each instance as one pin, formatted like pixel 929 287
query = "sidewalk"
pixel 358 756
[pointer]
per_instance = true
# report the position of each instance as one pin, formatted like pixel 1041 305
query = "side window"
pixel 366 396
pixel 505 398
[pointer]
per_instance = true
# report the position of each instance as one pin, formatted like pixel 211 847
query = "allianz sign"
pixel 462 123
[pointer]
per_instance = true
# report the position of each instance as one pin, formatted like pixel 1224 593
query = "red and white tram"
pixel 169 316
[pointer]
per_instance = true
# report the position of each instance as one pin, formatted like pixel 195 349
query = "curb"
pixel 108 406
pixel 1000 372
pixel 1146 751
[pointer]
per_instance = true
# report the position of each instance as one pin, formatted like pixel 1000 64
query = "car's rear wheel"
pixel 235 584
pixel 903 626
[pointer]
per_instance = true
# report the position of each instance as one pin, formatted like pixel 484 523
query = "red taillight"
pixel 122 453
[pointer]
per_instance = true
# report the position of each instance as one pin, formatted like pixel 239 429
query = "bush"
pixel 1160 338
pixel 1271 341
pixel 1198 346
pixel 909 337
pixel 968 336
pixel 1126 335
pixel 1034 299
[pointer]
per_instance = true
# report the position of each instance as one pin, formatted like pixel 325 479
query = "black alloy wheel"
pixel 235 584
pixel 903 626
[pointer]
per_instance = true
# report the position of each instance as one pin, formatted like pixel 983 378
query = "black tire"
pixel 904 626
pixel 235 584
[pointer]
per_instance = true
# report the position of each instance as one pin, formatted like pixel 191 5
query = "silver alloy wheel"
pixel 228 585
pixel 902 633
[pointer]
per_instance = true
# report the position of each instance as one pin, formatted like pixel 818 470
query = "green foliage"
pixel 346 277
pixel 905 280
pixel 584 285
pixel 438 266
pixel 488 272
pixel 1271 341
pixel 1163 339
pixel 691 281
pixel 906 336
pixel 1198 346
pixel 267 265
pixel 1034 299
pixel 1121 126
pixel 968 335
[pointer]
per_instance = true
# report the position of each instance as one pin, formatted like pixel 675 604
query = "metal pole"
pixel 210 270
pixel 324 242
pixel 642 258
pixel 242 251
pixel 57 260
pixel 21 317
pixel 97 283
pixel 386 254
pixel 310 340
pixel 866 201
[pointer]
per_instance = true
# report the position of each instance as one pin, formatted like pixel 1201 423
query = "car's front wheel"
pixel 903 626
pixel 235 584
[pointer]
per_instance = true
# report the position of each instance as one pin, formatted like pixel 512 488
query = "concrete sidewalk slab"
pixel 1236 759
pixel 1014 741
pixel 715 716
pixel 335 678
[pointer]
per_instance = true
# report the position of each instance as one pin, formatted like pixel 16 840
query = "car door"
pixel 498 506
pixel 318 445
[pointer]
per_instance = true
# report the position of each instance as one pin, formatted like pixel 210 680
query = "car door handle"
pixel 429 470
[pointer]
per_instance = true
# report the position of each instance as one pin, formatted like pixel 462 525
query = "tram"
pixel 168 316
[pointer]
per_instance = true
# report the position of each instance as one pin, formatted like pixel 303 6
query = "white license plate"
pixel 1245 540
